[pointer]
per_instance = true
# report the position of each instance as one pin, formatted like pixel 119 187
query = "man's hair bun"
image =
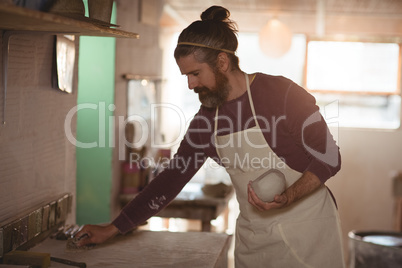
pixel 216 13
pixel 206 38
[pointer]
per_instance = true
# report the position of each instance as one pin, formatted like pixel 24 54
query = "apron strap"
pixel 252 110
pixel 251 101
pixel 215 134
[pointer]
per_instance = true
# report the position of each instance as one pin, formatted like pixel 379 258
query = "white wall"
pixel 363 186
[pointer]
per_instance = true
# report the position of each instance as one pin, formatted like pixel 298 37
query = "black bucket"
pixel 375 249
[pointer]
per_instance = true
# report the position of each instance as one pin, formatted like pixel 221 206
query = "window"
pixel 363 78
pixel 356 84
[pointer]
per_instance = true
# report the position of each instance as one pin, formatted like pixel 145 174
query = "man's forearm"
pixel 304 186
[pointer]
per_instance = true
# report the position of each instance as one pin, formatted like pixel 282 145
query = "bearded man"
pixel 243 120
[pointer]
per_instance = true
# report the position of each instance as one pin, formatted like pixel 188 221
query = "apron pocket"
pixel 315 242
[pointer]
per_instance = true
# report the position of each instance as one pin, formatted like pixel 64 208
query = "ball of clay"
pixel 269 184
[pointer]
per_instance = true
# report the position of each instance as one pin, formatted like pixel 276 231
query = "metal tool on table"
pixel 68 262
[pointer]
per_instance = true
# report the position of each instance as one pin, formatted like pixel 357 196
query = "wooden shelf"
pixel 14 18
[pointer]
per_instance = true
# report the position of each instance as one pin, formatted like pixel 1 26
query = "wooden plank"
pixel 22 19
pixel 149 249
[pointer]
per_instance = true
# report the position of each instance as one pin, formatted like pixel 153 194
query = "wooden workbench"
pixel 144 249
pixel 192 203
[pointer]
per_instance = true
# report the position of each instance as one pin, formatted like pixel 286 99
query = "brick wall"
pixel 37 162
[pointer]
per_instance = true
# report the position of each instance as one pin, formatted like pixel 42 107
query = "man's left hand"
pixel 304 186
pixel 278 202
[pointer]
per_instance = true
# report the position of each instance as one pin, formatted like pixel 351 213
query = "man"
pixel 251 124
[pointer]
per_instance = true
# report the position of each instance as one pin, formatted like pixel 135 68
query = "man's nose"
pixel 192 82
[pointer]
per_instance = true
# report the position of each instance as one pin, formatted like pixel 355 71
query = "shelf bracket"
pixel 5 50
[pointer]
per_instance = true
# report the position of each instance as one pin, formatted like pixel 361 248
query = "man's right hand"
pixel 95 234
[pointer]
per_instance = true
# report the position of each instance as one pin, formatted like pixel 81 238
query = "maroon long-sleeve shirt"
pixel 290 122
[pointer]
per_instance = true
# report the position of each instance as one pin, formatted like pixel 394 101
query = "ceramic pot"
pixel 100 9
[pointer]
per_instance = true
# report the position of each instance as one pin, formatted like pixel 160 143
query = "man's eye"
pixel 193 74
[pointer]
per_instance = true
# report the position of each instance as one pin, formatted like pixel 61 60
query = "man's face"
pixel 210 84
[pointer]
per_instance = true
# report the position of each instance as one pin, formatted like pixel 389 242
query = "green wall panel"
pixel 96 72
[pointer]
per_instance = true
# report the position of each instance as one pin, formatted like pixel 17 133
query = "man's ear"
pixel 223 62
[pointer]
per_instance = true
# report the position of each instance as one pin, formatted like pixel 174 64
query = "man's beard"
pixel 214 97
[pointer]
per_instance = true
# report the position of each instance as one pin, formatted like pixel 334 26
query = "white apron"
pixel 305 234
